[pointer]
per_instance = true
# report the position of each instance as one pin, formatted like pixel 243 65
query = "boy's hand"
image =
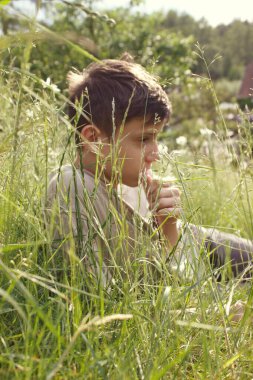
pixel 164 202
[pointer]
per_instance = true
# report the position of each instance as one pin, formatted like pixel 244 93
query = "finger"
pixel 165 203
pixel 166 193
pixel 171 191
pixel 151 185
pixel 156 191
pixel 170 212
pixel 158 185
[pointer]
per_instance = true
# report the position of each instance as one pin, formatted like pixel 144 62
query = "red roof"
pixel 246 89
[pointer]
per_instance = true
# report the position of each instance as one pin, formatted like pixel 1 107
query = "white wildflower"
pixel 181 140
pixel 230 133
pixel 21 134
pixel 230 116
pixel 48 81
pixel 224 106
pixel 162 149
pixel 29 114
pixel 48 84
pixel 71 307
pixel 200 121
pixel 54 88
pixel 206 132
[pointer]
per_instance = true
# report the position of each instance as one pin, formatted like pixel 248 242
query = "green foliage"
pixel 163 326
pixel 227 90
pixel 170 55
pixel 164 38
pixel 4 2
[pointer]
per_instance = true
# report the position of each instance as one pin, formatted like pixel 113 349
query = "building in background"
pixel 245 95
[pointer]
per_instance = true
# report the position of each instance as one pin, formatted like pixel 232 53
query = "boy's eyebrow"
pixel 150 127
pixel 152 131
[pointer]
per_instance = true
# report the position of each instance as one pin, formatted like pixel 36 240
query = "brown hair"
pixel 110 92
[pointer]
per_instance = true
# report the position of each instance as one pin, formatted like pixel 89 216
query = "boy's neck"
pixel 90 167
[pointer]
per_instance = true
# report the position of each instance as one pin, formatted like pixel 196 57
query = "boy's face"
pixel 134 150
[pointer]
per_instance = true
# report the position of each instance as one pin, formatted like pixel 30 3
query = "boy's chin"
pixel 131 182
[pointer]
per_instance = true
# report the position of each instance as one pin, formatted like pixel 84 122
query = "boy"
pixel 118 109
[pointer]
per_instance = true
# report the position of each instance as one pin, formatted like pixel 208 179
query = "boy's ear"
pixel 90 133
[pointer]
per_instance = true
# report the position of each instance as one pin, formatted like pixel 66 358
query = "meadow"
pixel 150 326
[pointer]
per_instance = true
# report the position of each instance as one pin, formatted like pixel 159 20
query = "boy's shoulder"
pixel 75 189
pixel 68 177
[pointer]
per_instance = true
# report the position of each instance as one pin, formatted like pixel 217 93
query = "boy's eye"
pixel 146 138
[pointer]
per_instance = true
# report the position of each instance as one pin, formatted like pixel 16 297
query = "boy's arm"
pixel 170 231
pixel 164 201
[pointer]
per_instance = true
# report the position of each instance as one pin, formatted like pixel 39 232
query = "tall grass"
pixel 150 324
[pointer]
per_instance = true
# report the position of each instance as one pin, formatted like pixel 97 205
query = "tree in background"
pixel 166 41
pixel 72 34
